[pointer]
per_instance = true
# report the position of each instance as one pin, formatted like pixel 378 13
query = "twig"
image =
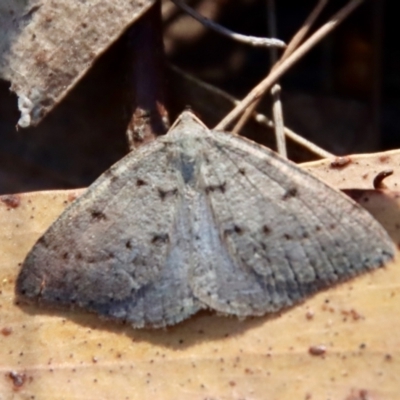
pixel 319 151
pixel 303 31
pixel 296 40
pixel 251 40
pixel 145 84
pixel 265 84
pixel 276 89
pixel 277 115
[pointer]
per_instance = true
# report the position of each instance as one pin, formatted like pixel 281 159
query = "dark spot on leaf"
pixel 7 331
pixel 160 238
pixel 18 379
pixel 72 197
pixel 384 158
pixel 340 162
pixel 11 201
pixel 317 350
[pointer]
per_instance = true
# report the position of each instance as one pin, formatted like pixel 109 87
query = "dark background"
pixel 344 94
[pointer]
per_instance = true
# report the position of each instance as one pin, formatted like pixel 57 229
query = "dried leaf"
pixel 47 46
pixel 45 353
pixel 358 171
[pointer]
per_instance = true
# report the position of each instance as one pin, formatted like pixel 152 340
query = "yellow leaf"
pixel 342 343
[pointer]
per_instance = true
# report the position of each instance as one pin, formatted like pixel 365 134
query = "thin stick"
pixel 265 84
pixel 319 151
pixel 276 89
pixel 303 31
pixel 277 115
pixel 296 40
pixel 251 40
pixel 227 100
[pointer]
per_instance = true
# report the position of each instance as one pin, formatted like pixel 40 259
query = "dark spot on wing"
pixel 216 188
pixel 98 215
pixel 110 175
pixel 160 238
pixel 42 241
pixel 238 229
pixel 266 230
pixel 164 194
pixel 242 171
pixel 128 244
pixel 140 182
pixel 291 192
pixel 206 159
pixel 65 255
pixel 234 229
pixel 287 236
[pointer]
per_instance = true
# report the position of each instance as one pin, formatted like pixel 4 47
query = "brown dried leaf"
pixel 358 171
pixel 46 46
pixel 45 353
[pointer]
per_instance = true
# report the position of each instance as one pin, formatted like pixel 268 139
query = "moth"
pixel 200 219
